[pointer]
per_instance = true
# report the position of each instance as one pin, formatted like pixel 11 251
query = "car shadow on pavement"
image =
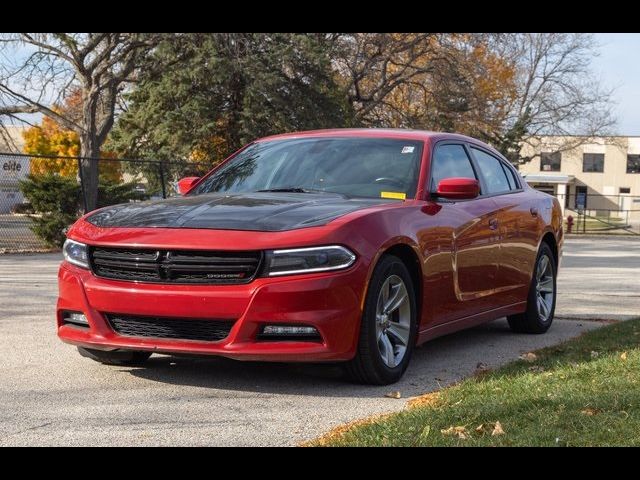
pixel 439 362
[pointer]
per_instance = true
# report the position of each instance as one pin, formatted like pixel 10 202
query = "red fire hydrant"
pixel 569 223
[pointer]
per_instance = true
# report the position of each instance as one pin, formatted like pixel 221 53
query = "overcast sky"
pixel 619 66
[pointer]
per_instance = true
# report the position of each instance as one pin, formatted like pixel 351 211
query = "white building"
pixel 601 177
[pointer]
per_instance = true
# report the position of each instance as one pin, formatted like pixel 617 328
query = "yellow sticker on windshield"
pixel 398 195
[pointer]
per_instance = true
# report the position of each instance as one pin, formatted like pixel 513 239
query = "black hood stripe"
pixel 260 211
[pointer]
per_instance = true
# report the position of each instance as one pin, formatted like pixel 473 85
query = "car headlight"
pixel 76 253
pixel 308 260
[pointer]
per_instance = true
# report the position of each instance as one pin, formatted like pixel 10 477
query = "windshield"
pixel 360 167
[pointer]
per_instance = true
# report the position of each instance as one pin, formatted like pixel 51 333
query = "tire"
pixel 538 316
pixel 374 362
pixel 117 357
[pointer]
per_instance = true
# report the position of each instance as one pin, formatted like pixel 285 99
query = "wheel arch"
pixel 411 260
pixel 550 239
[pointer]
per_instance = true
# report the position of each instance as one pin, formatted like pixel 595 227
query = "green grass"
pixel 584 392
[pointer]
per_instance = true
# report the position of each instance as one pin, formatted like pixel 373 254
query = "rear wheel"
pixel 541 303
pixel 117 357
pixel 388 328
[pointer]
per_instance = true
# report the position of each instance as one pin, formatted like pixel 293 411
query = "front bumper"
pixel 331 302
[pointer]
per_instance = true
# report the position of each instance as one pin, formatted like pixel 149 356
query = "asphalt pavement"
pixel 49 395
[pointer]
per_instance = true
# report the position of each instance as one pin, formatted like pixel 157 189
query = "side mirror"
pixel 458 188
pixel 185 184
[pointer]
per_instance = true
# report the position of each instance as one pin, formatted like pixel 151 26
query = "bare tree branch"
pixel 57 63
pixel 13 109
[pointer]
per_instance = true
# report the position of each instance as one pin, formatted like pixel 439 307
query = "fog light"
pixel 75 318
pixel 289 330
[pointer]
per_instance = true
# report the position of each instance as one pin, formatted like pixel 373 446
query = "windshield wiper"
pixel 302 190
pixel 284 189
pixel 292 190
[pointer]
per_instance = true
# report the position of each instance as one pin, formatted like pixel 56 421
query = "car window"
pixel 495 178
pixel 510 180
pixel 353 166
pixel 512 174
pixel 450 161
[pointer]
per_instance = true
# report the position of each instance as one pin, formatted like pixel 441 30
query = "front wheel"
pixel 388 328
pixel 541 303
pixel 117 357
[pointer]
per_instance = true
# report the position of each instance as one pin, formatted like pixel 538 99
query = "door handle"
pixel 493 224
pixel 534 211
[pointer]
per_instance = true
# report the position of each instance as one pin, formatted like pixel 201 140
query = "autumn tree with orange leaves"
pixel 450 82
pixel 505 89
pixel 50 139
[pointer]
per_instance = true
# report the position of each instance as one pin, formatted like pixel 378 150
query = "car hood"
pixel 259 211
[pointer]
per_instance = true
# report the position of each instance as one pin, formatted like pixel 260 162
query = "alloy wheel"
pixel 393 321
pixel 544 288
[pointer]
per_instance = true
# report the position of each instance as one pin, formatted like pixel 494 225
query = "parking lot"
pixel 49 395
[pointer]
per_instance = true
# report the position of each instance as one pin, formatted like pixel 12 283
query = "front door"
pixel 474 240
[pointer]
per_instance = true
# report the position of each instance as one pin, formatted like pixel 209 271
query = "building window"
pixel 581 197
pixel 633 163
pixel 625 190
pixel 593 162
pixel 550 161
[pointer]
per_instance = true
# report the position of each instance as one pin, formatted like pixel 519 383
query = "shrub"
pixel 22 208
pixel 58 201
pixel 111 193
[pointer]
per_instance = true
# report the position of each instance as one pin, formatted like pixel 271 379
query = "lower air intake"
pixel 171 328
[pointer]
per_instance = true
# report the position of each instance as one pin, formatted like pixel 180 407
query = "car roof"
pixel 400 133
pixel 397 133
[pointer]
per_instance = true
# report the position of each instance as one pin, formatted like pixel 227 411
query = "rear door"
pixel 517 218
pixel 475 238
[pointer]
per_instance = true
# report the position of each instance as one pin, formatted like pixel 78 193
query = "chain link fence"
pixel 133 180
pixel 119 180
pixel 596 213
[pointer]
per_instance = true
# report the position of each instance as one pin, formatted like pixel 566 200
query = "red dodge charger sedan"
pixel 323 246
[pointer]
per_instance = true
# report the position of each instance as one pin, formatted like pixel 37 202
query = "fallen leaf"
pixel 594 354
pixel 590 412
pixel 497 430
pixel 623 356
pixel 536 368
pixel 393 395
pixel 459 432
pixel 341 430
pixel 425 400
pixel 493 428
pixel 529 357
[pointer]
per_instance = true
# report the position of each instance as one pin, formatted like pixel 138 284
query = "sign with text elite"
pixel 13 169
